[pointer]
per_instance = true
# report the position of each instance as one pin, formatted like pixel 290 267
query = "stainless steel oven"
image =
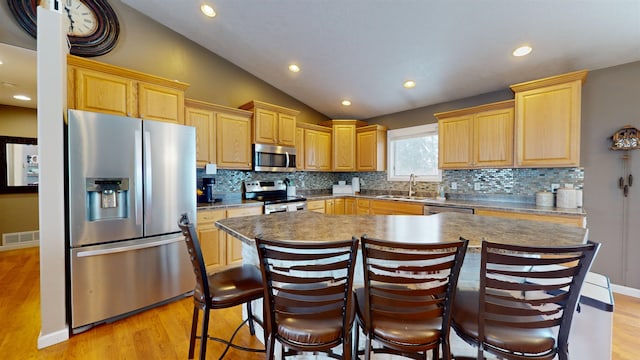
pixel 274 195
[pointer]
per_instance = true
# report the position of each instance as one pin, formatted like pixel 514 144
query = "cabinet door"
pixel 338 207
pixel 329 206
pixel 371 150
pixel 204 122
pixel 300 159
pixel 548 126
pixel 265 126
pixel 161 103
pixel 233 142
pixel 234 245
pixel 390 207
pixel 212 240
pixel 493 138
pixel 350 206
pixel 455 142
pixel 324 151
pixel 104 93
pixel 363 206
pixel 344 147
pixel 286 130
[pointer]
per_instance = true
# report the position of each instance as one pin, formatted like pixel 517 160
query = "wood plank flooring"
pixel 163 332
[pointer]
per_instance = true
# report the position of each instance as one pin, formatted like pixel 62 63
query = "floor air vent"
pixel 20 239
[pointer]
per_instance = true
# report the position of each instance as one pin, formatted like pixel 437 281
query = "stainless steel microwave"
pixel 274 158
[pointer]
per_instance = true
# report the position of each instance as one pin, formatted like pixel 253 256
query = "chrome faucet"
pixel 412 182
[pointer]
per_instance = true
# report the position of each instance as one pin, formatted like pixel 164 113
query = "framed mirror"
pixel 19 165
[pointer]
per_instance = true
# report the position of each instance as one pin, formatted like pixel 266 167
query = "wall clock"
pixel 92 25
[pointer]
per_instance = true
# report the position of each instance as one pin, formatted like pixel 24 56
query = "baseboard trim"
pixel 53 338
pixel 625 290
pixel 21 245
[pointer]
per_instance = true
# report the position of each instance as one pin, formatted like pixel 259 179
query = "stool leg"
pixel 194 328
pixel 205 333
pixel 252 329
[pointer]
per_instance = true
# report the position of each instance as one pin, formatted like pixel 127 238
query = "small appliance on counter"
pixel 566 198
pixel 544 198
pixel 208 192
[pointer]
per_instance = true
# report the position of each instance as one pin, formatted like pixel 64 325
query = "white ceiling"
pixel 17 75
pixel 363 50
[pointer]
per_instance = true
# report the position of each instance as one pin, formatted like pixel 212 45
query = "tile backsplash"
pixel 513 184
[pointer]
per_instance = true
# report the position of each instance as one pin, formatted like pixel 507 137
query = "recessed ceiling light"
pixel 522 51
pixel 346 103
pixel 21 97
pixel 208 10
pixel 294 68
pixel 409 84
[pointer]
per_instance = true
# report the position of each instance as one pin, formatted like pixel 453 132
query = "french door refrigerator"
pixel 129 181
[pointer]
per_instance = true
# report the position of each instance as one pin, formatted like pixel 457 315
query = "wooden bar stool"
pixel 405 304
pixel 223 289
pixel 525 302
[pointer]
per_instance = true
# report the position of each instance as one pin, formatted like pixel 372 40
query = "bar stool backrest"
pixel 201 291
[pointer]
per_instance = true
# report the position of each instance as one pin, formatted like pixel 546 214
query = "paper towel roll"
pixel 566 198
pixel 355 184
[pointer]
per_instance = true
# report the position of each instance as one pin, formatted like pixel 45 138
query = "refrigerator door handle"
pixel 120 249
pixel 138 178
pixel 148 171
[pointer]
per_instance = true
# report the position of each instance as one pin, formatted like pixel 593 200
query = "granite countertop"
pixel 227 203
pixel 476 204
pixel 443 227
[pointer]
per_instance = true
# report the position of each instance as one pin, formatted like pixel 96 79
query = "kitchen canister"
pixel 566 198
pixel 544 198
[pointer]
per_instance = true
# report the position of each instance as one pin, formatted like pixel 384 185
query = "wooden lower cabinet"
pixel 334 206
pixel 212 240
pixel 580 221
pixel 350 206
pixel 316 205
pixel 389 207
pixel 363 207
pixel 234 245
pixel 218 248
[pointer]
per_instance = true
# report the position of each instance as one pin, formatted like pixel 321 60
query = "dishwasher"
pixel 436 209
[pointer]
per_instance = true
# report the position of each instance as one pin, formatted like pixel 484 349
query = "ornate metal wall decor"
pixel 627 138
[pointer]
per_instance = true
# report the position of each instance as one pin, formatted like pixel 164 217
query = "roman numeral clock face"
pixel 80 20
pixel 92 25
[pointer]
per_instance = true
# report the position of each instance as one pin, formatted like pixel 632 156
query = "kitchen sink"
pixel 404 197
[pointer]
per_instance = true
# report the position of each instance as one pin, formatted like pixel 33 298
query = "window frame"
pixel 409 133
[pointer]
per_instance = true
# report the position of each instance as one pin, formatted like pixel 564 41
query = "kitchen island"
pixel 443 227
pixel 591 332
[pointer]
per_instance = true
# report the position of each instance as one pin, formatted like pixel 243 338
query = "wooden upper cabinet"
pixel 317 147
pixel 299 148
pixel 480 136
pixel 233 131
pixel 156 102
pixel 233 141
pixel 548 121
pixel 344 143
pixel 272 124
pixel 203 120
pixel 371 145
pixel 100 92
pixel 99 87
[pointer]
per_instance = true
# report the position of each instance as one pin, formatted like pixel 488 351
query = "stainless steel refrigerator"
pixel 129 180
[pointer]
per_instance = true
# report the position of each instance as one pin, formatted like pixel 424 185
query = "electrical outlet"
pixel 454 185
pixel 476 186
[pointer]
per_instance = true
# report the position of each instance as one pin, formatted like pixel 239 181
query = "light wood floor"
pixel 163 332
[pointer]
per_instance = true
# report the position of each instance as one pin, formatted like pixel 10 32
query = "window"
pixel 413 150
